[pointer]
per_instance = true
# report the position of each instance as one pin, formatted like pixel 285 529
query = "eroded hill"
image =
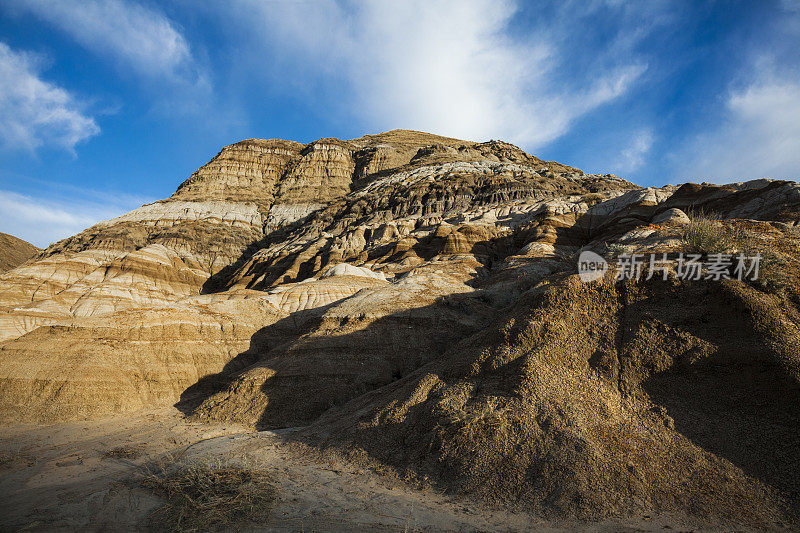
pixel 415 297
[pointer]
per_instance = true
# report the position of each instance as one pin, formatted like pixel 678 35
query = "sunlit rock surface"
pixel 415 296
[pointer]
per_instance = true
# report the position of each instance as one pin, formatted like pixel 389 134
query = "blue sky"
pixel 108 104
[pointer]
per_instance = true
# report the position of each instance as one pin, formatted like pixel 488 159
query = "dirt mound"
pixel 605 399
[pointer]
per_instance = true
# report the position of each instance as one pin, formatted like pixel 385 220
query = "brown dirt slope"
pixel 605 400
pixel 14 251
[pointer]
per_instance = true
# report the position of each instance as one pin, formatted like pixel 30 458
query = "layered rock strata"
pixel 416 297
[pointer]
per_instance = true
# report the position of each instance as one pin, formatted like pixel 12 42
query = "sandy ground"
pixel 59 477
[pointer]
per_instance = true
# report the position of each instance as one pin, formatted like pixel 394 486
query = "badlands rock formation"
pixel 14 251
pixel 415 297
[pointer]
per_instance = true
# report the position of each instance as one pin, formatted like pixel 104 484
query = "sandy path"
pixel 59 478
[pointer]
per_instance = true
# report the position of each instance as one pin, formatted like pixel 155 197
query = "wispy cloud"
pixel 454 70
pixel 635 154
pixel 759 134
pixel 761 137
pixel 41 221
pixel 36 112
pixel 137 37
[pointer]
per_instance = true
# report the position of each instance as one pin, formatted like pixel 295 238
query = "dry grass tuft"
pixel 705 235
pixel 201 495
pixel 12 458
pixel 593 198
pixel 6 459
pixel 616 249
pixel 708 236
pixel 493 418
pixel 775 276
pixel 123 452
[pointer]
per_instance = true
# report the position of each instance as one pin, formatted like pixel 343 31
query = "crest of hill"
pixel 408 138
pixel 411 139
pixel 275 171
pixel 14 251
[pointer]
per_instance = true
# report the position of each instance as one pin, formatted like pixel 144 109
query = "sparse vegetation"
pixel 6 459
pixel 10 458
pixel 593 198
pixel 123 452
pixel 706 235
pixel 616 249
pixel 494 418
pixel 773 276
pixel 201 495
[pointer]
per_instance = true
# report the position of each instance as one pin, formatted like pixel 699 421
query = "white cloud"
pixel 771 115
pixel 42 221
pixel 635 155
pixel 35 112
pixel 138 38
pixel 760 138
pixel 448 67
pixel 759 133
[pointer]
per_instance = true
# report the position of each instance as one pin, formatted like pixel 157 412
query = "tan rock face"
pixel 126 360
pixel 246 171
pixel 14 251
pixel 94 283
pixel 416 289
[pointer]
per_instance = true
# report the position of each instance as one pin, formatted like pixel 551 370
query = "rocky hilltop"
pixel 415 297
pixel 14 251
